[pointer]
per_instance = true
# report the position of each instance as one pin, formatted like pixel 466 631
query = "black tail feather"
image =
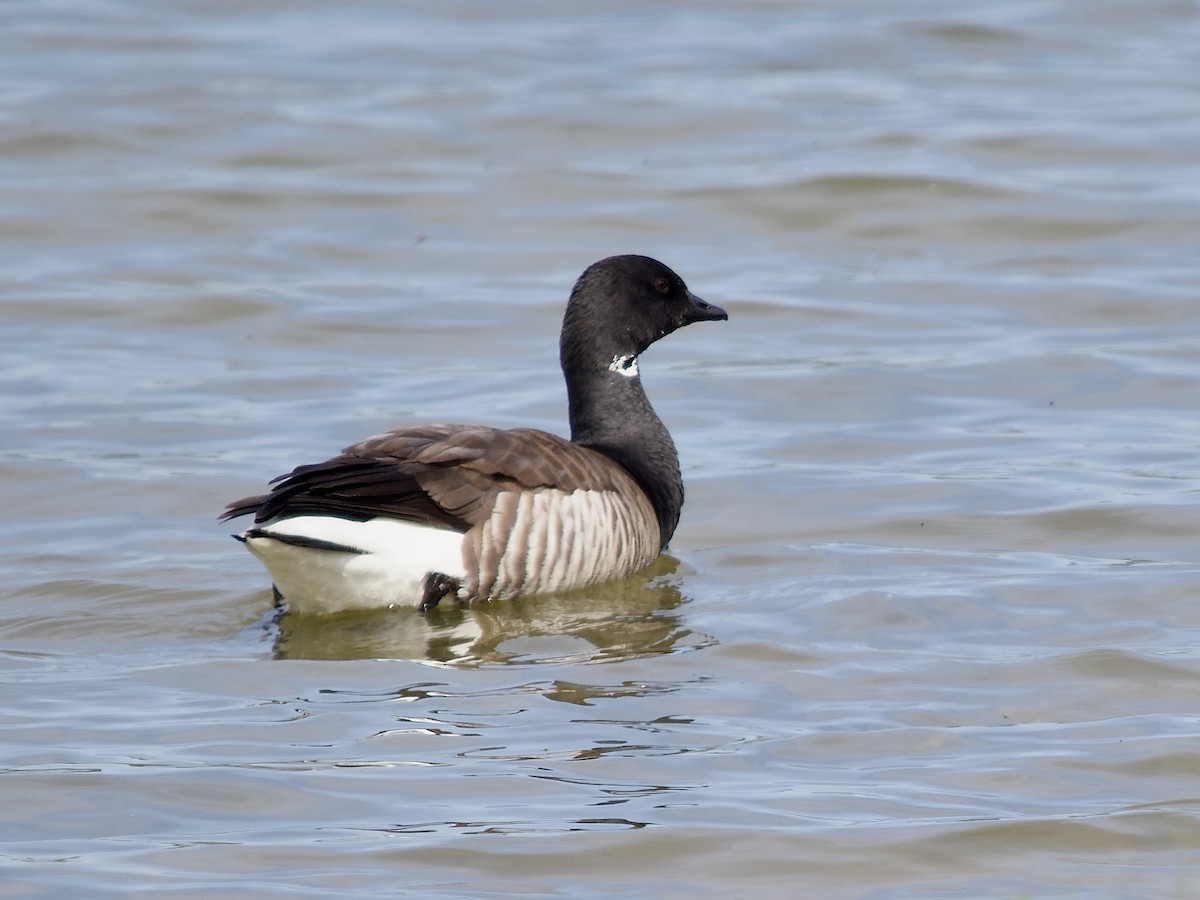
pixel 299 540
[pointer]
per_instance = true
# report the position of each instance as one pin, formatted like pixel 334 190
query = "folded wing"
pixel 444 476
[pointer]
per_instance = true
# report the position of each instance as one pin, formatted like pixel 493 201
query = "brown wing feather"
pixel 443 475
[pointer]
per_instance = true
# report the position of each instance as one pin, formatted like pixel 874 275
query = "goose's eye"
pixel 662 285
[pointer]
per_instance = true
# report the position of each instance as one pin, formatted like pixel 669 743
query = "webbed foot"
pixel 434 587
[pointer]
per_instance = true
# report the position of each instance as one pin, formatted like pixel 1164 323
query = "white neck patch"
pixel 624 365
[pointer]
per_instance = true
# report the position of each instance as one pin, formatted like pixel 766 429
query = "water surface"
pixel 929 625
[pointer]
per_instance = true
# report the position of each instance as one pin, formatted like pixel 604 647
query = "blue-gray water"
pixel 929 627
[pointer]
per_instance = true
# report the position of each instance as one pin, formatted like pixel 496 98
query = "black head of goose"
pixel 474 512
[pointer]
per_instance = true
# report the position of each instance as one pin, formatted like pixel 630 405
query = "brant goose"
pixel 473 512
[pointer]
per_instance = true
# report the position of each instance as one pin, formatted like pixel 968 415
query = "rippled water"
pixel 929 626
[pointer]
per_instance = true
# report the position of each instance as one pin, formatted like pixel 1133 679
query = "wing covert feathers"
pixel 446 476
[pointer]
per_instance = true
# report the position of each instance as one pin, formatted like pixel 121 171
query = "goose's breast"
pixel 552 540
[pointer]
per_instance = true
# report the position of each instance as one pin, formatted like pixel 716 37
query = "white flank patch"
pixel 397 557
pixel 624 365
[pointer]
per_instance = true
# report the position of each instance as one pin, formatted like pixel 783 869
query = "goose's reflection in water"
pixel 637 616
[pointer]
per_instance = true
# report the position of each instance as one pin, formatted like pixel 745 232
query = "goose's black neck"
pixel 611 414
pixel 618 308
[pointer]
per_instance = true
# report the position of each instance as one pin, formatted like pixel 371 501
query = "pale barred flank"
pixel 549 540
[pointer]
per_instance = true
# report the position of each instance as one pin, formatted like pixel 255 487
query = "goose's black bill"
pixel 702 311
